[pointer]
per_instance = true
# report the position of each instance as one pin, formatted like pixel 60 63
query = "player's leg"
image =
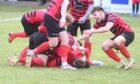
pixel 13 35
pixel 40 60
pixel 29 29
pixel 64 49
pixel 137 8
pixel 72 29
pixel 18 59
pixel 84 27
pixel 133 8
pixel 54 31
pixel 122 42
pixel 36 39
pixel 108 46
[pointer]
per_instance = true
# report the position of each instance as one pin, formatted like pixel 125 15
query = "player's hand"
pixel 62 22
pixel 82 20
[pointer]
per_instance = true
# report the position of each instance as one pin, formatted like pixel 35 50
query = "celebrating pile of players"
pixel 53 40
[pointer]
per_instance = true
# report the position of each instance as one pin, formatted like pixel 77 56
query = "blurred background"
pixel 118 6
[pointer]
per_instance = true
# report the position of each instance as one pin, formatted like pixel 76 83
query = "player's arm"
pixel 63 12
pixel 82 19
pixel 87 34
pixel 106 28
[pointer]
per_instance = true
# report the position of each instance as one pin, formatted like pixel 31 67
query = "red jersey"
pixel 55 60
pixel 119 25
pixel 135 1
pixel 72 55
pixel 79 8
pixel 35 16
pixel 54 9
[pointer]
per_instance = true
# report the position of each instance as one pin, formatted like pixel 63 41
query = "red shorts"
pixel 53 61
pixel 135 1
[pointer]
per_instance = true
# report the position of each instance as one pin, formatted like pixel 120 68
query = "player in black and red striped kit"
pixel 55 30
pixel 80 10
pixel 31 21
pixel 123 35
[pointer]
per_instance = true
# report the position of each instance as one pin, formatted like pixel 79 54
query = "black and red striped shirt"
pixel 54 9
pixel 119 25
pixel 79 8
pixel 35 16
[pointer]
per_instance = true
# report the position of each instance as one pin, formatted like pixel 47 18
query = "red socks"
pixel 22 55
pixel 112 55
pixel 19 34
pixel 76 54
pixel 87 54
pixel 124 51
pixel 63 52
pixel 35 61
pixel 43 47
pixel 88 47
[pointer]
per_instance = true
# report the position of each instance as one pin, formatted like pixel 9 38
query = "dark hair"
pixel 97 8
pixel 79 63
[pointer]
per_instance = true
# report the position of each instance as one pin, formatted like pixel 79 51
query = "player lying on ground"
pixel 123 35
pixel 77 56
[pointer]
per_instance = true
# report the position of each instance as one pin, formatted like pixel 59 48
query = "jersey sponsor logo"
pixel 78 6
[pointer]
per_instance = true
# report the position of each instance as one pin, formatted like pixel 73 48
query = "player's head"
pixel 98 12
pixel 69 19
pixel 79 63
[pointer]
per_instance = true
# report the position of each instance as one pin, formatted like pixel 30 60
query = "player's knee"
pixel 105 46
pixel 117 43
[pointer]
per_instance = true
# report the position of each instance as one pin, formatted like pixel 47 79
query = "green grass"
pixel 94 75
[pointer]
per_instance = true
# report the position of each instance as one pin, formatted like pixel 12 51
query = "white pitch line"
pixel 10 19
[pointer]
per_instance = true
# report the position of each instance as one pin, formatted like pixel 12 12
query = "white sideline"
pixel 15 19
pixel 10 19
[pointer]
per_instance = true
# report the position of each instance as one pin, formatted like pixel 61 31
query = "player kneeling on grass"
pixel 123 35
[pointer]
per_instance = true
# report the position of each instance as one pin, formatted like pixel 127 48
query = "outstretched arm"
pixel 106 28
pixel 82 19
pixel 63 12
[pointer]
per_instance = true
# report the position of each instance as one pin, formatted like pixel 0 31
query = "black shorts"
pixel 129 36
pixel 52 26
pixel 29 28
pixel 36 39
pixel 72 29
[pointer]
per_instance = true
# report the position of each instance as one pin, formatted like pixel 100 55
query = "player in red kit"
pixel 80 10
pixel 78 56
pixel 30 22
pixel 54 29
pixel 123 35
pixel 51 22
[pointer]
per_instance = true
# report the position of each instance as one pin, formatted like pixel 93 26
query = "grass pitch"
pixel 94 75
